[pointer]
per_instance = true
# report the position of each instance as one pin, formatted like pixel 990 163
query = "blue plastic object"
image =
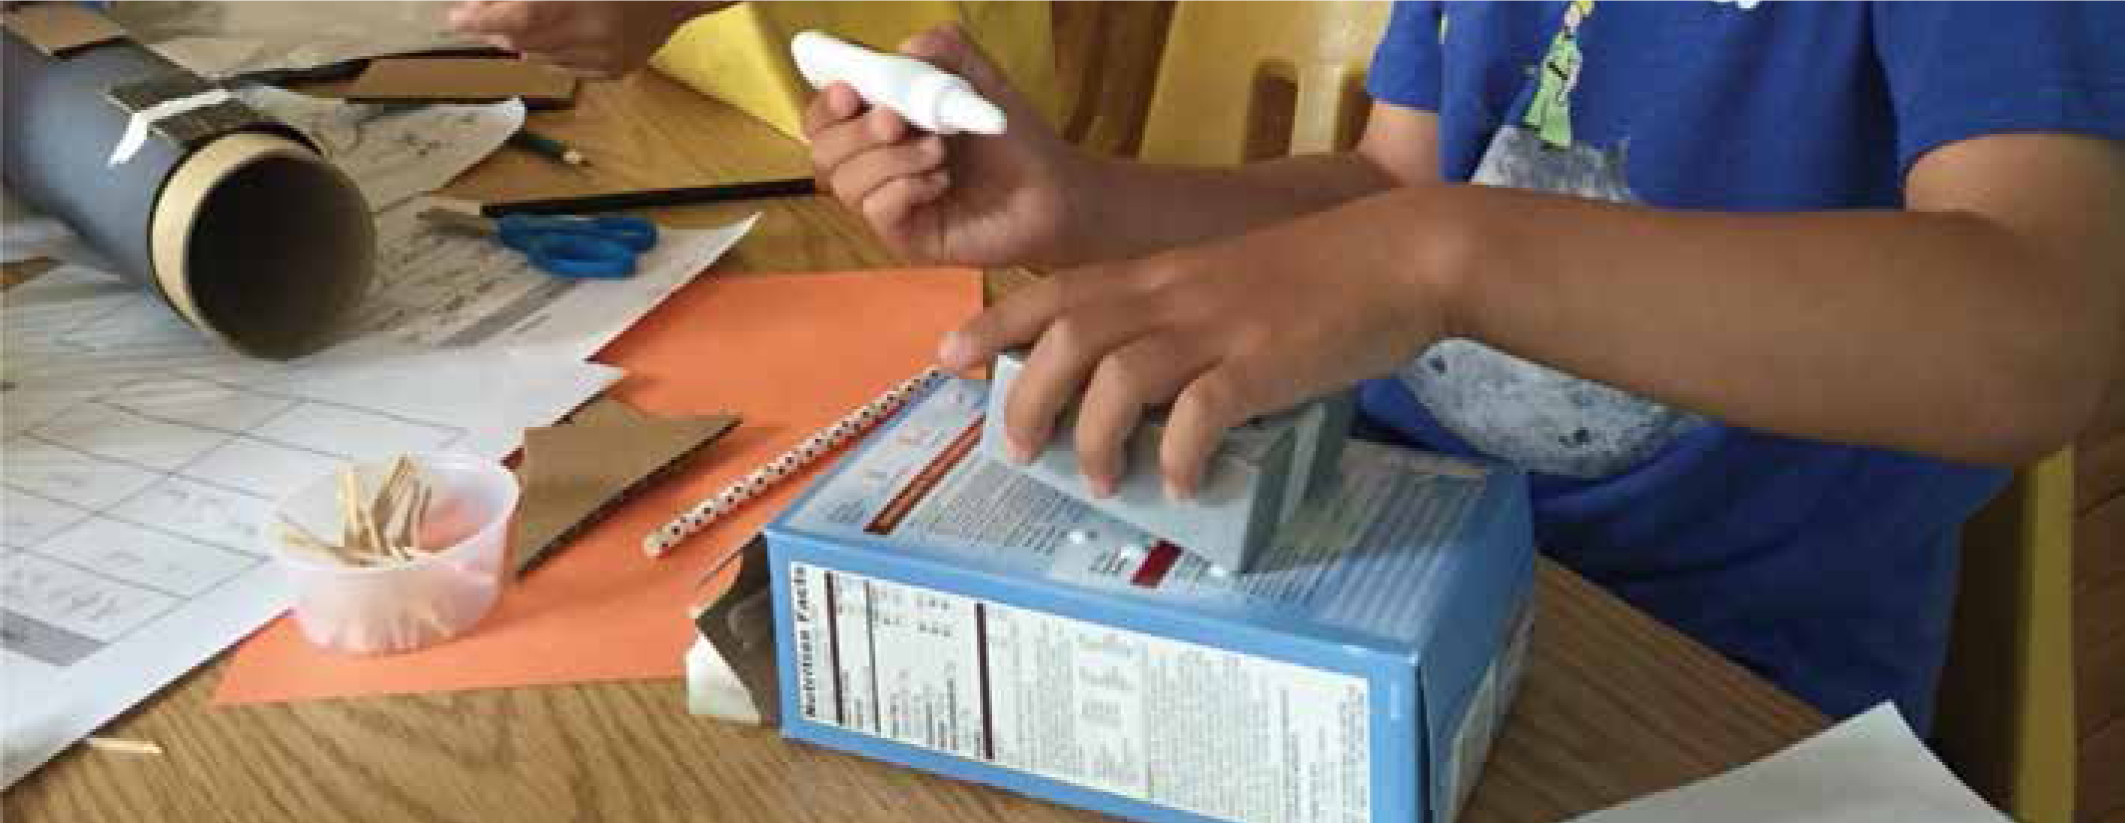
pixel 593 247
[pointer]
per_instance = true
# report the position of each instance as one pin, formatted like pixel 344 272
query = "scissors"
pixel 573 247
pixel 579 246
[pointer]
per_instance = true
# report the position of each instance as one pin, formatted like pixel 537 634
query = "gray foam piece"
pixel 1258 479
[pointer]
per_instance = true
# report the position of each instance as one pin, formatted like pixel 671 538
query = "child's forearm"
pixel 1122 208
pixel 1947 332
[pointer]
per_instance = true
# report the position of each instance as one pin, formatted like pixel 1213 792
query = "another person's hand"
pixel 969 199
pixel 596 37
pixel 1224 331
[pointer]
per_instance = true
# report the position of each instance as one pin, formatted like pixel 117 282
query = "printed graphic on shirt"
pixel 1537 417
pixel 1550 112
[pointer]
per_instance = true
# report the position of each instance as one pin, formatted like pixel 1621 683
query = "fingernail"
pixel 1020 452
pixel 1178 493
pixel 1102 487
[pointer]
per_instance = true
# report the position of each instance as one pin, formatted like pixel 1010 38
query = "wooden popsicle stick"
pixel 350 527
pixel 419 518
pixel 378 509
pixel 122 745
pixel 382 529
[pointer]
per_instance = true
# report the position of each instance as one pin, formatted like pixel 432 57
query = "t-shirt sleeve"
pixel 1405 66
pixel 1962 70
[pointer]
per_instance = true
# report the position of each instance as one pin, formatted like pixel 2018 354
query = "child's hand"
pixel 1225 331
pixel 967 199
pixel 605 39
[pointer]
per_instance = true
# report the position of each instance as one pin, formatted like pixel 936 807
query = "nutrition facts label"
pixel 1213 732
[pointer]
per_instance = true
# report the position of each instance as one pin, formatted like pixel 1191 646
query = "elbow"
pixel 2054 374
pixel 2025 432
pixel 2031 409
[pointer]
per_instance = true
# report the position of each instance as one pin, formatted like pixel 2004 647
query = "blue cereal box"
pixel 936 608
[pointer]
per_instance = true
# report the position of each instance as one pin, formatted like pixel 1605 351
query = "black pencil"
pixel 651 198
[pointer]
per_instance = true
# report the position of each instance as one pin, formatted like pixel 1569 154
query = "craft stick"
pixel 300 537
pixel 386 501
pixel 302 543
pixel 396 516
pixel 297 537
pixel 350 527
pixel 374 538
pixel 416 515
pixel 122 745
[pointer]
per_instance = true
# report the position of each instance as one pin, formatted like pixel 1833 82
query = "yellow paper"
pixel 741 55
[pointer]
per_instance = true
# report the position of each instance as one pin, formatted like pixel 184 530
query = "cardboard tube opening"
pixel 260 242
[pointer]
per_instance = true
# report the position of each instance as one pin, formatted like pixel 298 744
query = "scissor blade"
pixel 453 219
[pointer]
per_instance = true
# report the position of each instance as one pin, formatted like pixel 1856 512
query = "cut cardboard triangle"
pixel 575 472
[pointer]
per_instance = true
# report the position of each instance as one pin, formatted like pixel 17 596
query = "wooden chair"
pixel 1248 81
pixel 1106 59
pixel 2006 704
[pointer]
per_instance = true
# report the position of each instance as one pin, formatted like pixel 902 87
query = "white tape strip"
pixel 136 129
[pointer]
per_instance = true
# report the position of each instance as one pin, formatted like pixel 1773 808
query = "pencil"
pixel 651 198
pixel 850 426
pixel 548 147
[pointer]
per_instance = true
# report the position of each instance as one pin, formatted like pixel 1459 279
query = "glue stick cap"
pixel 945 104
pixel 966 111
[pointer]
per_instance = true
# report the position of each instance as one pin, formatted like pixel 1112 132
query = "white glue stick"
pixel 931 98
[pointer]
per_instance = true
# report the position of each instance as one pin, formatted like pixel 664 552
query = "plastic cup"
pixel 401 606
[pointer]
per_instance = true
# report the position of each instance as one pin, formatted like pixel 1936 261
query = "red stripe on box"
pixel 924 481
pixel 1157 562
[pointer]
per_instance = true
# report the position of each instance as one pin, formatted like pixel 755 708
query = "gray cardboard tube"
pixel 247 234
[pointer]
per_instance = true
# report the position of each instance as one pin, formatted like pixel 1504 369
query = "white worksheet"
pixel 1868 769
pixel 394 153
pixel 441 287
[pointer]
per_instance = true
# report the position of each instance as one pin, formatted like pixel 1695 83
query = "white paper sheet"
pixel 394 156
pixel 140 460
pixel 217 39
pixel 1868 769
pixel 442 287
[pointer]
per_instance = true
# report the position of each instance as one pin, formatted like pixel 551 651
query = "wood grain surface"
pixel 1614 705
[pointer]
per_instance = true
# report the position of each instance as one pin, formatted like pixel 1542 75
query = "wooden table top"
pixel 1614 705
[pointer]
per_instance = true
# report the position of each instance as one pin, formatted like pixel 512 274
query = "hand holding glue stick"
pixel 931 98
pixel 968 199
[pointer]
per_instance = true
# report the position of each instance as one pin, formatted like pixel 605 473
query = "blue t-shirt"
pixel 1829 569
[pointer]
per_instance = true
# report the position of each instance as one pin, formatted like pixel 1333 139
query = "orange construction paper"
pixel 790 353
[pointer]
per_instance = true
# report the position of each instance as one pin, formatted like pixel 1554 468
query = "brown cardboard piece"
pixel 59 28
pixel 463 80
pixel 574 472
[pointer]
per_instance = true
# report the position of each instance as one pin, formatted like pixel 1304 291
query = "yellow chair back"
pixel 1248 81
pixel 741 54
pixel 2006 705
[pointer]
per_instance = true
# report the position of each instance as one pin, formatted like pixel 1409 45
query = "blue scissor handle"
pixel 579 246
